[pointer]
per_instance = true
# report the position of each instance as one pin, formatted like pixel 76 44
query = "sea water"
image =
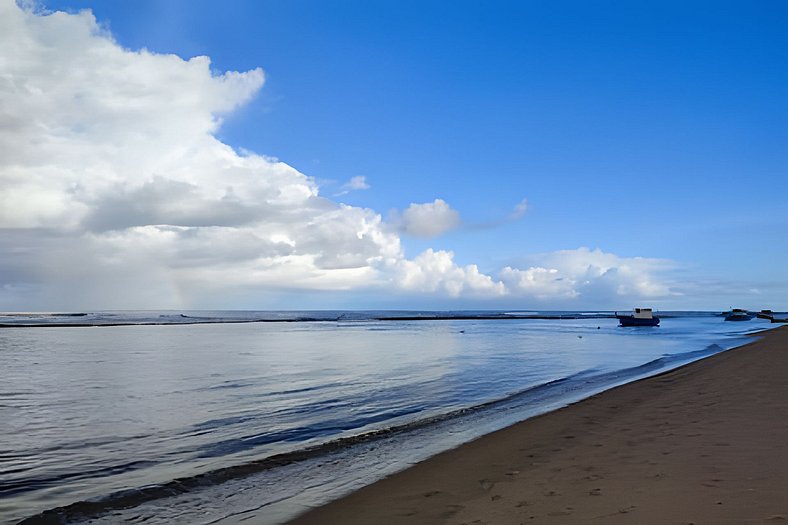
pixel 214 417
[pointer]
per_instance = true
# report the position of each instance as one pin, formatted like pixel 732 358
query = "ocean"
pixel 221 417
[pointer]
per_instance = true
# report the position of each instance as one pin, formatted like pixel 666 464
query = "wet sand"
pixel 705 443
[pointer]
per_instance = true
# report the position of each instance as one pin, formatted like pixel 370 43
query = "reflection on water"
pixel 92 411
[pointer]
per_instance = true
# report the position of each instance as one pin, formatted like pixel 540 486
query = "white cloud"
pixel 115 193
pixel 112 151
pixel 539 282
pixel 354 184
pixel 590 276
pixel 571 274
pixel 436 271
pixel 430 219
pixel 357 183
pixel 519 210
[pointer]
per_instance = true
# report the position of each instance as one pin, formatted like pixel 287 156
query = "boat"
pixel 738 314
pixel 639 317
pixel 765 314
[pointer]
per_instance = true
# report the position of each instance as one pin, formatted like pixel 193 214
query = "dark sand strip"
pixel 706 443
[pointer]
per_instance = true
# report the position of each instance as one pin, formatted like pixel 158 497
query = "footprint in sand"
pixel 451 510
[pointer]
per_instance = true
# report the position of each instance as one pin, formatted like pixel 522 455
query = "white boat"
pixel 639 317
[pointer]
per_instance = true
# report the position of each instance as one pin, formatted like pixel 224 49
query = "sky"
pixel 393 154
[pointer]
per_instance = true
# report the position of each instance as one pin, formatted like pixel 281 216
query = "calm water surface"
pixel 112 415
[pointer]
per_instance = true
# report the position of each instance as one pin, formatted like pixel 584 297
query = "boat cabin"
pixel 639 317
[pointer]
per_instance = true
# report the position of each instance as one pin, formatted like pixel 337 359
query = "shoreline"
pixel 701 443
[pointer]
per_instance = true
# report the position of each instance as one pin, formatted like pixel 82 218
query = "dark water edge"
pixel 338 458
pixel 156 318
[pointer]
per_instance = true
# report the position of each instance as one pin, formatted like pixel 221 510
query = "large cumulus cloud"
pixel 110 166
pixel 605 277
pixel 115 192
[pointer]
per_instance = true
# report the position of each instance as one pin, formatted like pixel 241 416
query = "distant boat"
pixel 765 314
pixel 738 314
pixel 640 317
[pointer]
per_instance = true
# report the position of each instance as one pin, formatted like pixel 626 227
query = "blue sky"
pixel 638 130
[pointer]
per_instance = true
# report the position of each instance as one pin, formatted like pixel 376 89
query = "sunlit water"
pixel 110 416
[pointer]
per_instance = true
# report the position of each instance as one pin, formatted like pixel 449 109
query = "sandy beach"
pixel 705 443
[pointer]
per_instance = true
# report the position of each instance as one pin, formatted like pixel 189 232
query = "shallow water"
pixel 114 414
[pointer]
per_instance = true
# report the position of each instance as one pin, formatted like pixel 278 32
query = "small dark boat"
pixel 765 314
pixel 738 314
pixel 640 317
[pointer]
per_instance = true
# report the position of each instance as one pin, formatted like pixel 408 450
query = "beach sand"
pixel 705 443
